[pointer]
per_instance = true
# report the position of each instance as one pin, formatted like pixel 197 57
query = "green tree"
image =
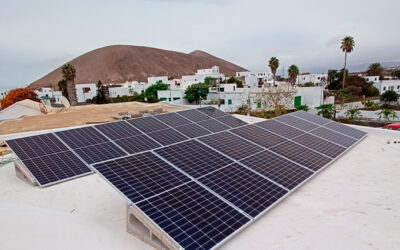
pixel 389 96
pixel 387 114
pixel 62 86
pixel 196 92
pixel 151 92
pixel 237 81
pixel 353 114
pixel 347 46
pixel 100 97
pixel 210 81
pixel 375 69
pixel 273 63
pixel 335 78
pixel 326 110
pixel 293 72
pixel 370 104
pixel 69 74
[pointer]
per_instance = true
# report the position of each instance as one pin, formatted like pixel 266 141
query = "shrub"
pixel 389 96
pixel 354 90
pixel 17 95
pixel 371 91
pixel 302 107
pixel 196 92
pixel 326 110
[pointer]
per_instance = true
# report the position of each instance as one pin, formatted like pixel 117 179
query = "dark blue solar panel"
pixel 50 169
pixel 173 119
pixel 81 137
pixel 325 147
pixel 258 135
pixel 193 157
pixel 167 136
pixel 243 188
pixel 302 155
pixel 231 121
pixel 278 169
pixel 141 176
pixel 194 115
pixel 333 136
pixel 192 130
pixel 211 111
pixel 193 217
pixel 280 128
pixel 345 129
pixel 117 130
pixel 34 146
pixel 231 145
pixel 136 144
pixel 147 124
pixel 311 118
pixel 99 152
pixel 297 122
pixel 213 125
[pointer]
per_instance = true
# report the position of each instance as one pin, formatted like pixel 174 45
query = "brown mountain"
pixel 121 63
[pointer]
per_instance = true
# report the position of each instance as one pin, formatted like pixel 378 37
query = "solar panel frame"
pixel 110 130
pixel 231 145
pixel 320 145
pixel 330 135
pixel 346 130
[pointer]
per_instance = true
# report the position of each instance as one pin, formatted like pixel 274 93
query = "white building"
pixel 85 91
pixel 317 79
pixel 154 79
pixel 213 71
pixel 385 85
pixel 256 79
pixel 46 94
pixel 373 79
pixel 200 76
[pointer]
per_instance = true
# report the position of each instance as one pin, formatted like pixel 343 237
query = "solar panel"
pixel 167 136
pixel 231 121
pixel 147 124
pixel 194 115
pixel 301 155
pixel 333 136
pixel 192 130
pixel 213 125
pixel 193 157
pixel 243 188
pixel 117 130
pixel 172 119
pixel 138 143
pixel 34 146
pixel 231 145
pixel 280 128
pixel 296 122
pixel 258 135
pixel 51 169
pixel 311 118
pixel 211 111
pixel 100 152
pixel 81 137
pixel 278 169
pixel 347 130
pixel 193 217
pixel 141 176
pixel 325 147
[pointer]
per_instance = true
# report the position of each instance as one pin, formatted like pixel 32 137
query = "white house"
pixel 200 76
pixel 85 91
pixel 48 93
pixel 153 79
pixel 373 79
pixel 317 79
pixel 385 85
pixel 256 79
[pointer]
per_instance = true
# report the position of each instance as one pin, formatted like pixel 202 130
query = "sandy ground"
pixel 79 115
pixel 353 204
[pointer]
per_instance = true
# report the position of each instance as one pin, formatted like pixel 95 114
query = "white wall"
pixel 170 95
pixel 371 78
pixel 314 78
pixel 81 96
pixel 16 111
pixel 154 79
pixel 47 93
pixel 385 85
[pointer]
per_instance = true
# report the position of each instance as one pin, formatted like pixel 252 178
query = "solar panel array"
pixel 201 175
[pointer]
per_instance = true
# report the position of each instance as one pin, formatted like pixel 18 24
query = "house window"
pixel 163 99
pixel 258 104
pixel 384 88
pixel 229 101
pixel 86 90
pixel 398 86
pixel 234 88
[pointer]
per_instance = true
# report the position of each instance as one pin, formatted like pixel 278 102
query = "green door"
pixel 297 101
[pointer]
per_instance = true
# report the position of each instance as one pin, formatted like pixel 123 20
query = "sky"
pixel 38 36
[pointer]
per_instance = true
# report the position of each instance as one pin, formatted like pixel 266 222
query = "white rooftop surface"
pixel 353 204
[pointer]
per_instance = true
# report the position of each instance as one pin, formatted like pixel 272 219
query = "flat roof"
pixel 353 204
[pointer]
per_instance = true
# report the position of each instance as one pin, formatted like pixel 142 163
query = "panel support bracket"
pixel 143 228
pixel 22 173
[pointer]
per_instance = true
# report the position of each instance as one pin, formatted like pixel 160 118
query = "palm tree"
pixel 274 65
pixel 375 69
pixel 353 114
pixel 69 74
pixel 347 46
pixel 387 114
pixel 293 72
